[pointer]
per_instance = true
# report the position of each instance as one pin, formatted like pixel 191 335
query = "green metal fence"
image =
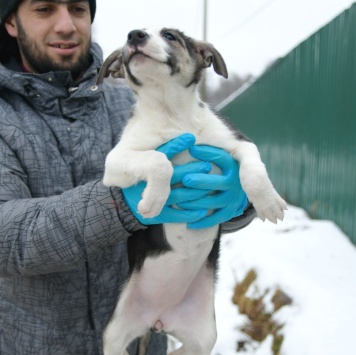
pixel 302 115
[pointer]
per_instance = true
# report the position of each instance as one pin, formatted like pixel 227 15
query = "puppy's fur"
pixel 172 268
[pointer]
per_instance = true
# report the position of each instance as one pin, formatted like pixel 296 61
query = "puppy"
pixel 172 269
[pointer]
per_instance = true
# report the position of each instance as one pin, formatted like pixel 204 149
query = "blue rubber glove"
pixel 133 194
pixel 229 202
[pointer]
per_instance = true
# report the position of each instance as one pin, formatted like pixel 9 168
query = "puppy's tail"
pixel 143 344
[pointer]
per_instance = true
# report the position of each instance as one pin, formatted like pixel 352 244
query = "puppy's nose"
pixel 136 36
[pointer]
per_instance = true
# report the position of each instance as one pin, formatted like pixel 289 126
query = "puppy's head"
pixel 151 55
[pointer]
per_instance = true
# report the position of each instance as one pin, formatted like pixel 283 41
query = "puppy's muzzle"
pixel 136 37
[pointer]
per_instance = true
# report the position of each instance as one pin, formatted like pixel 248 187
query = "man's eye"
pixel 169 36
pixel 43 9
pixel 79 9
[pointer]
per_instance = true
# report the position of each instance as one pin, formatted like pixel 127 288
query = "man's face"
pixel 53 35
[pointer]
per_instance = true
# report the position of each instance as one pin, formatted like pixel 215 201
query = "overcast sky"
pixel 250 34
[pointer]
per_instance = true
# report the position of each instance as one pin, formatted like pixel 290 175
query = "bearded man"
pixel 63 234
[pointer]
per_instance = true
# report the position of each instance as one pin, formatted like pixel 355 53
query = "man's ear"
pixel 11 26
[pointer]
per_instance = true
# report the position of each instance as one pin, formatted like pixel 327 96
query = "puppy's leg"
pixel 253 174
pixel 158 186
pixel 119 333
pixel 126 324
pixel 124 168
pixel 196 341
pixel 256 183
pixel 193 321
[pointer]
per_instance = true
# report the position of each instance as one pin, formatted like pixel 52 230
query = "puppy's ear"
pixel 112 65
pixel 211 56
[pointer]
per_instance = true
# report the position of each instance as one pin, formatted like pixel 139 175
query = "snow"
pixel 314 263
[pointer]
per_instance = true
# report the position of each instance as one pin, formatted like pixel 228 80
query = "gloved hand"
pixel 133 194
pixel 230 202
pixel 195 198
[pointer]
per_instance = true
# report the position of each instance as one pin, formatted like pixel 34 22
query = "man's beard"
pixel 41 63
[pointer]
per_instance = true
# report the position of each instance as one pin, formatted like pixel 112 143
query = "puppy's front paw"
pixel 270 207
pixel 153 200
pixel 260 191
pixel 150 209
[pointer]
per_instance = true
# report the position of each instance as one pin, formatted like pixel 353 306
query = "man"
pixel 62 232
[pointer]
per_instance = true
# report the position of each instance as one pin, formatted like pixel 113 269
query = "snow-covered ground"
pixel 310 260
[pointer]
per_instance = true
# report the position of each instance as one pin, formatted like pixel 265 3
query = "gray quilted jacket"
pixel 62 233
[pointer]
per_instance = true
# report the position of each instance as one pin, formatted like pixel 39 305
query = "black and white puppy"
pixel 172 269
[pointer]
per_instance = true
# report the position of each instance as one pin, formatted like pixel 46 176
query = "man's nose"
pixel 64 22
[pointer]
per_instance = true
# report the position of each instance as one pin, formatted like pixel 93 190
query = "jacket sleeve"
pixel 239 222
pixel 43 235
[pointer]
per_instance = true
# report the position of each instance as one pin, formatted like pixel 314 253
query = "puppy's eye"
pixel 169 36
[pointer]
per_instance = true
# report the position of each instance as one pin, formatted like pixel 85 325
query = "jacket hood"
pixel 53 84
